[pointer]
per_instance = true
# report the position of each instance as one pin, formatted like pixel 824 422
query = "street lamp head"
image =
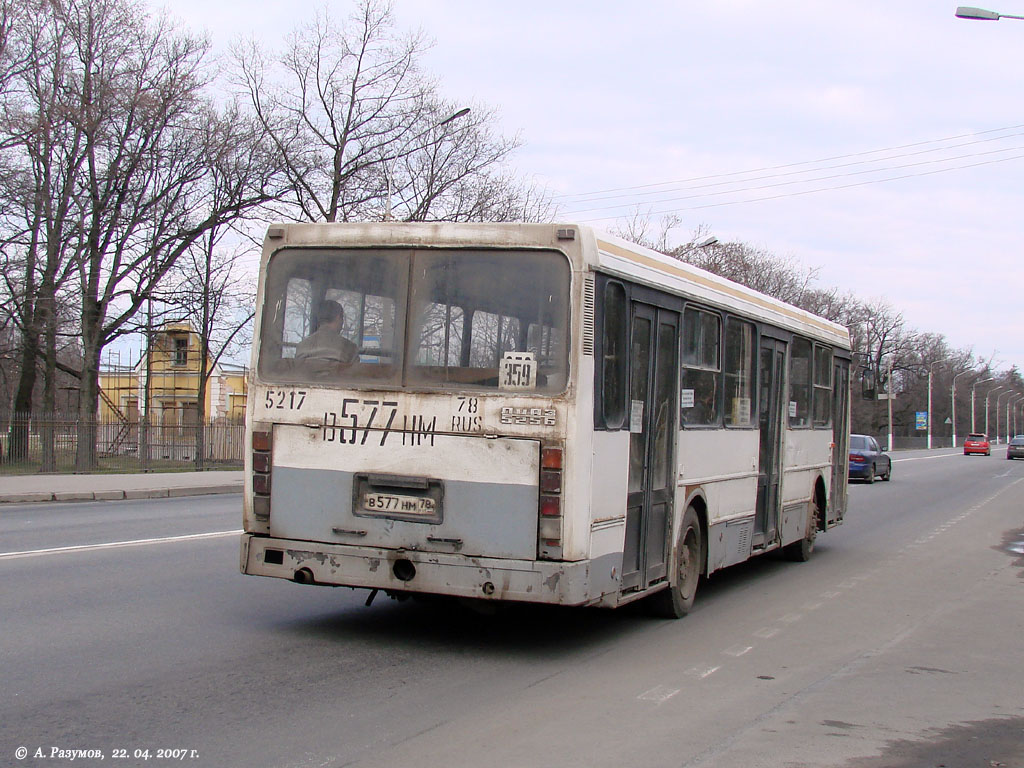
pixel 704 242
pixel 978 14
pixel 461 113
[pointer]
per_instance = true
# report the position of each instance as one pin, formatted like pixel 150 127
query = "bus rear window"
pixel 475 319
pixel 489 319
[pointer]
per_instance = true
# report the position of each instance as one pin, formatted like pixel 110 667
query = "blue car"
pixel 867 460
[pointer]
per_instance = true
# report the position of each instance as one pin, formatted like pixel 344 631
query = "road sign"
pixel 922 419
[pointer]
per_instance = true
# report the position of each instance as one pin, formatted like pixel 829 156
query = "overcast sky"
pixel 735 115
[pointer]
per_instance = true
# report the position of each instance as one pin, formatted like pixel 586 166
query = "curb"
pixel 115 495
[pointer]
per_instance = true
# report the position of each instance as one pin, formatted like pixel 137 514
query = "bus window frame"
pixel 602 409
pixel 755 414
pixel 809 421
pixel 719 421
pixel 816 388
pixel 401 382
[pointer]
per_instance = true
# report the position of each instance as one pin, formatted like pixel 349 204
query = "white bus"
pixel 530 412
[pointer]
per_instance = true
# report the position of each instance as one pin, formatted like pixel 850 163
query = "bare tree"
pixel 217 297
pixel 338 100
pixel 42 160
pixel 119 140
pixel 364 134
pixel 640 228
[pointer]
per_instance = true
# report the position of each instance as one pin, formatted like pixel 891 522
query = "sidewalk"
pixel 17 489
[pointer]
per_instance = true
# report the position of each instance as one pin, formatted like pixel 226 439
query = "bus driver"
pixel 326 348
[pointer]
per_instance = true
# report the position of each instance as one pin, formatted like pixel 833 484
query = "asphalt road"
pixel 126 626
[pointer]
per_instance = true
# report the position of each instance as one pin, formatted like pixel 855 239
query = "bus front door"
pixel 653 422
pixel 769 467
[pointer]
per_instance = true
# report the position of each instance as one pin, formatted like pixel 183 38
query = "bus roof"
pixel 621 257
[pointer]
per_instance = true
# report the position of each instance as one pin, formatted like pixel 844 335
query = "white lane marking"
pixel 659 694
pixel 925 458
pixel 114 545
pixel 702 672
pixel 767 633
pixel 738 650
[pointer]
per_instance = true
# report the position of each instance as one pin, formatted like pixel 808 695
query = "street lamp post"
pixel 387 171
pixel 1000 397
pixel 980 14
pixel 1012 400
pixel 930 367
pixel 987 395
pixel 952 401
pixel 973 386
pixel 888 384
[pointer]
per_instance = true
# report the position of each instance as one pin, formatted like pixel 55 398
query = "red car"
pixel 977 443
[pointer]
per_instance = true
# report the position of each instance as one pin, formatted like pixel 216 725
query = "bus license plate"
pixel 400 504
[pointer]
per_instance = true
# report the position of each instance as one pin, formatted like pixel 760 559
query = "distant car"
pixel 867 460
pixel 977 443
pixel 1015 448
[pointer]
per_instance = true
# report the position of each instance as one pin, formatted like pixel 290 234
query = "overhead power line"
pixel 829 177
pixel 814 191
pixel 809 170
pixel 578 197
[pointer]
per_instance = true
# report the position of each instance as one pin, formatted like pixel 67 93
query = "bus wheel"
pixel 676 601
pixel 801 551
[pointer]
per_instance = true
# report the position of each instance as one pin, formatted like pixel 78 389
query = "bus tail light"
pixel 549 528
pixel 550 506
pixel 262 448
pixel 551 458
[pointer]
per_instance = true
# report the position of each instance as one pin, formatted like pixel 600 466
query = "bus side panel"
pixel 807 456
pixel 607 516
pixel 721 467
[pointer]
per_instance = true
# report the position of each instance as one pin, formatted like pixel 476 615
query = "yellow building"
pixel 173 392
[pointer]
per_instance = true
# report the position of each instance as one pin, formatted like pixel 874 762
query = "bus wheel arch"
pixel 801 551
pixel 821 498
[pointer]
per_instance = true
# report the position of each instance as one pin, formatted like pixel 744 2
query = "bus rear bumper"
pixel 559 583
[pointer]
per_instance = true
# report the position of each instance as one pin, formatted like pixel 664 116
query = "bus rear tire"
pixel 677 600
pixel 801 551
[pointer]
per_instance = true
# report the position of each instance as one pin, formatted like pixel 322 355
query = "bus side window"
pixel 613 357
pixel 822 387
pixel 740 373
pixel 800 383
pixel 700 397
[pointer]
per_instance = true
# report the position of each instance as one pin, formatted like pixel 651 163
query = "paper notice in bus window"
pixel 741 410
pixel 792 409
pixel 636 416
pixel 686 399
pixel 518 371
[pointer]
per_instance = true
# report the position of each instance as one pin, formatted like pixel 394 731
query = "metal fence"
pixel 49 443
